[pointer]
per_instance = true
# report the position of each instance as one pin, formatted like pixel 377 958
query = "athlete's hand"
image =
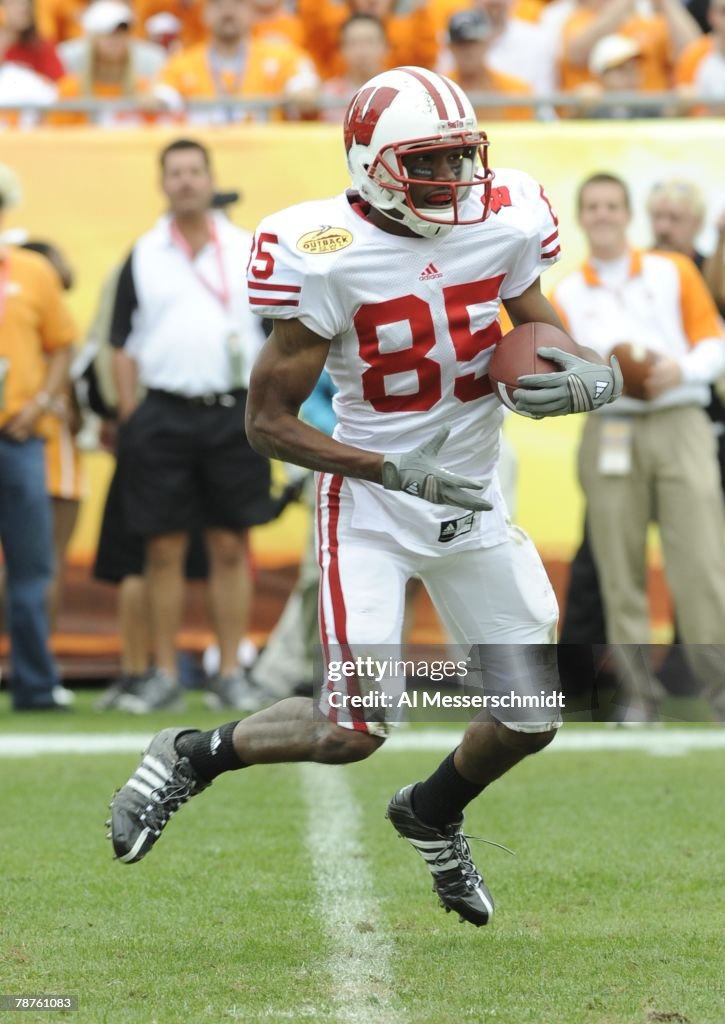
pixel 580 387
pixel 418 473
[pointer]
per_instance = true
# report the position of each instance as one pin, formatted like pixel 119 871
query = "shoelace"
pixel 172 795
pixel 459 846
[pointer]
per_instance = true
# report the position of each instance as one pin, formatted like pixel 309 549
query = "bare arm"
pixel 20 426
pixel 284 375
pixel 125 375
pixel 608 19
pixel 683 27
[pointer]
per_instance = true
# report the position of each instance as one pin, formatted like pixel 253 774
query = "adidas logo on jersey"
pixel 430 273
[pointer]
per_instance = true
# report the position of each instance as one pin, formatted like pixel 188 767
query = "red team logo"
pixel 361 118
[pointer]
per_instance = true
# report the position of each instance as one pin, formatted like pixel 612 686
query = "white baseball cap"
pixel 106 16
pixel 610 52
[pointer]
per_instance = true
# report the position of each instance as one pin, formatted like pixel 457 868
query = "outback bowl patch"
pixel 325 239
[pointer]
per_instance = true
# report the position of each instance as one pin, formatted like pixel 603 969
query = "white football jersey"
pixel 412 324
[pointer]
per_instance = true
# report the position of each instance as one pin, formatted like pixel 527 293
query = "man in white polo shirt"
pixel 651 459
pixel 182 328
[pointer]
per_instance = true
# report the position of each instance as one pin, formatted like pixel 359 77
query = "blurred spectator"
pixel 182 328
pixel 273 18
pixel 188 13
pixel 677 212
pixel 146 58
pixel 20 87
pixel 21 43
pixel 108 73
pixel 662 28
pixel 616 64
pixel 36 334
pixel 701 68
pixel 364 50
pixel 60 19
pixel 469 36
pixel 713 271
pixel 64 472
pixel 653 459
pixel 235 63
pixel 409 29
pixel 517 48
pixel 164 31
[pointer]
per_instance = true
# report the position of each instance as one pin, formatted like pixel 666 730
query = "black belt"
pixel 227 399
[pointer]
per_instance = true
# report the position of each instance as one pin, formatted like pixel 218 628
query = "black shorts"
pixel 190 465
pixel 121 553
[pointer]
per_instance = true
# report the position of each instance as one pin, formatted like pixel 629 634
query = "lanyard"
pixel 221 294
pixel 217 67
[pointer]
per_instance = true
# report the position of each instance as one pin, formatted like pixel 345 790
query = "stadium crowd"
pixel 228 60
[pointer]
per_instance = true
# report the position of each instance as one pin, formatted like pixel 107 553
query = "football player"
pixel 395 286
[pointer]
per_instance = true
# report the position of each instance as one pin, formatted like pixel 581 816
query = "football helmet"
pixel 406 113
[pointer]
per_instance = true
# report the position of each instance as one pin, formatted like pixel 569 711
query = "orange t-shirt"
pixel 496 81
pixel 691 58
pixel 411 36
pixel 269 66
pixel 34 323
pixel 71 87
pixel 653 37
pixel 281 25
pixel 440 12
pixel 60 19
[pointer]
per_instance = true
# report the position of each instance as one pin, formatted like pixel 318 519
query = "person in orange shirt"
pixel 234 63
pixel 271 18
pixel 60 19
pixel 64 472
pixel 189 13
pixel 468 36
pixel 109 71
pixel 36 334
pixel 661 35
pixel 701 68
pixel 410 30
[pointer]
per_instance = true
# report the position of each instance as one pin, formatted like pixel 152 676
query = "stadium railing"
pixel 263 108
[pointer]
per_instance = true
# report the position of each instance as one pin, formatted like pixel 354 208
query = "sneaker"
pixel 160 785
pixel 154 692
pixel 63 697
pixel 127 682
pixel 459 885
pixel 236 691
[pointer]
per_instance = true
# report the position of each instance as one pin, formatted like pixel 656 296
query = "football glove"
pixel 417 473
pixel 580 387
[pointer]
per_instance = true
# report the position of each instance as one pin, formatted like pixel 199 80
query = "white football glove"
pixel 417 473
pixel 580 387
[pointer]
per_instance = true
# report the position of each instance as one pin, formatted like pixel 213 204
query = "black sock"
pixel 441 798
pixel 212 752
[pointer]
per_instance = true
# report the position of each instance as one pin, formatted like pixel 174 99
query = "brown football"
pixel 515 355
pixel 635 361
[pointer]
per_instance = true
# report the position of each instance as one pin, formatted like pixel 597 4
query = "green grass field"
pixel 281 894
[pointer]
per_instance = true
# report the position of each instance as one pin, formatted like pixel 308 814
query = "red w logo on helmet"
pixel 362 117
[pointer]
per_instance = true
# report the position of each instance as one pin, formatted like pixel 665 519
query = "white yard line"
pixel 359 964
pixel 660 742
